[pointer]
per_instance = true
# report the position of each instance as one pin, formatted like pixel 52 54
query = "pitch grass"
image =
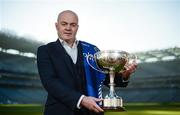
pixel 149 109
pixel 131 109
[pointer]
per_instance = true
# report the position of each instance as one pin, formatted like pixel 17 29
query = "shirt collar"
pixel 64 43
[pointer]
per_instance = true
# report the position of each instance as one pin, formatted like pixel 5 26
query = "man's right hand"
pixel 90 103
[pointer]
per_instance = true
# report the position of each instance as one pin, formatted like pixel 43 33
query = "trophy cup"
pixel 111 62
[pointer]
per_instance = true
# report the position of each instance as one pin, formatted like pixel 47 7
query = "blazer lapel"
pixel 64 56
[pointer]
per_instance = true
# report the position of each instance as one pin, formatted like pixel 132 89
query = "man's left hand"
pixel 129 69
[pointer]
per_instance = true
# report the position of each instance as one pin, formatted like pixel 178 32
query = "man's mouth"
pixel 68 34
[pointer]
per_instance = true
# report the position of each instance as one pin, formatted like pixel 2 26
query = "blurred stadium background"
pixel 157 78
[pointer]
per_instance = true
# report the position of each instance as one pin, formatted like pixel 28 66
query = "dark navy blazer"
pixel 60 80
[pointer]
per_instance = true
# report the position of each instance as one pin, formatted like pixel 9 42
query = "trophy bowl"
pixel 111 62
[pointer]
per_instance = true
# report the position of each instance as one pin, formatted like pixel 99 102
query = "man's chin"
pixel 68 38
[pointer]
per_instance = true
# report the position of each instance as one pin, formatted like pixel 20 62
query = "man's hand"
pixel 129 69
pixel 90 103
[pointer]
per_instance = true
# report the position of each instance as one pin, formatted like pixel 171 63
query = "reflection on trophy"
pixel 110 62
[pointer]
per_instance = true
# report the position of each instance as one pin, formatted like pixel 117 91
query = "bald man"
pixel 72 85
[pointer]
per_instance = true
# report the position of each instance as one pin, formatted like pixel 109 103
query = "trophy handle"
pixel 87 59
pixel 132 58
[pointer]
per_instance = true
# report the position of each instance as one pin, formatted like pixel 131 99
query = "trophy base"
pixel 114 109
pixel 113 104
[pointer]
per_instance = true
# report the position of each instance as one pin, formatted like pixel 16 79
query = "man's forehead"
pixel 68 20
pixel 66 14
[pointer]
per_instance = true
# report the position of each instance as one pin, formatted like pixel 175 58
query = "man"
pixel 71 84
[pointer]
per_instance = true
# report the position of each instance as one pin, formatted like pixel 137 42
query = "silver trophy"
pixel 111 62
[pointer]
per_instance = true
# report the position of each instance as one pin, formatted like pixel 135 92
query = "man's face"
pixel 67 27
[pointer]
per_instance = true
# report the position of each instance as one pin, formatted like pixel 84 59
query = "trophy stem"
pixel 111 85
pixel 112 101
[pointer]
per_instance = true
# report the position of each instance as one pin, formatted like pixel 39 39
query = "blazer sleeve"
pixel 52 84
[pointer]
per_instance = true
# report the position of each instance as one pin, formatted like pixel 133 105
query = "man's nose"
pixel 68 27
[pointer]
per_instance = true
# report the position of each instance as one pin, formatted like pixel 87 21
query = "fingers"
pixel 90 103
pixel 97 109
pixel 94 107
pixel 131 68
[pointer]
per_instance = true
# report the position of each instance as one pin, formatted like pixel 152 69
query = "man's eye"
pixel 63 24
pixel 73 25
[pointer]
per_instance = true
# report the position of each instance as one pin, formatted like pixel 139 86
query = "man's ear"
pixel 56 25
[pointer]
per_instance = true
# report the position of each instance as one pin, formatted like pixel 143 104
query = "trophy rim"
pixel 112 51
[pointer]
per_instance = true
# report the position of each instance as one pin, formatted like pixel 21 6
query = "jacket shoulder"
pixel 89 47
pixel 47 45
pixel 86 44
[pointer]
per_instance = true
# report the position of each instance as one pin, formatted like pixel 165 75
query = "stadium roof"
pixel 159 55
pixel 21 44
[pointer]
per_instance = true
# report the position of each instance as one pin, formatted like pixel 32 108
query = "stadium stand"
pixel 154 82
pixel 19 81
pixel 17 64
pixel 157 80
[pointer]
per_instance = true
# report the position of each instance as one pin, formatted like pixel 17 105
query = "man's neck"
pixel 69 42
